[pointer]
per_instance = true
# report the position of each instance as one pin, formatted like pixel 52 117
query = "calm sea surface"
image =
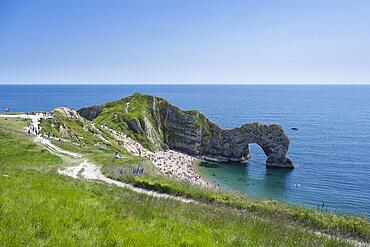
pixel 331 149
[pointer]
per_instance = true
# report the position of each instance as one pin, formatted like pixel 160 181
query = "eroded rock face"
pixel 209 141
pixel 91 112
pixel 192 133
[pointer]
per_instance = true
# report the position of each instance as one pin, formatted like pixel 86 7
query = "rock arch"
pixel 235 145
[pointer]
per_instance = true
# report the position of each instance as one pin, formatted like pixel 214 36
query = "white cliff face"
pixel 68 113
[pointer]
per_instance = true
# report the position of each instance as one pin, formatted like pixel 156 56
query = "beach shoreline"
pixel 176 164
pixel 171 163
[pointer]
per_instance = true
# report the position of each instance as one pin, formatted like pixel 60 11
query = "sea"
pixel 330 148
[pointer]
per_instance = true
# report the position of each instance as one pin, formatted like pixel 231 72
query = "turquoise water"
pixel 331 149
pixel 252 178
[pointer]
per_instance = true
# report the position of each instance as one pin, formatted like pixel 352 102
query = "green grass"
pixel 331 223
pixel 40 208
pixel 87 141
pixel 10 113
pixel 16 148
pixel 114 115
pixel 120 169
pixel 48 128
pixel 349 226
pixel 43 209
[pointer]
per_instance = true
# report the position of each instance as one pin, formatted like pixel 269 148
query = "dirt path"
pixel 34 129
pixel 45 142
pixel 92 172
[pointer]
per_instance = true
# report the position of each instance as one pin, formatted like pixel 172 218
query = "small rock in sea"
pixel 294 128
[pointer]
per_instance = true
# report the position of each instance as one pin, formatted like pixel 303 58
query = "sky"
pixel 185 41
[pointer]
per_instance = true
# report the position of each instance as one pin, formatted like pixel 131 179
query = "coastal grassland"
pixel 39 208
pixel 17 148
pixel 81 136
pixel 45 209
pixel 10 113
pixel 331 223
pixel 74 127
pixel 341 225
pixel 152 179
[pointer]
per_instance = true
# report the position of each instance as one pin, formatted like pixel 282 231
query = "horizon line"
pixel 187 84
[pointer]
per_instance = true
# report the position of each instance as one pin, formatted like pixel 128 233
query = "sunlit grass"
pixel 42 208
pixel 46 209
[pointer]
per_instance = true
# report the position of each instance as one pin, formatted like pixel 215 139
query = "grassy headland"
pixel 39 207
pixel 120 169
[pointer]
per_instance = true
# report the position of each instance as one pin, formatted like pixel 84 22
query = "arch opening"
pixel 255 154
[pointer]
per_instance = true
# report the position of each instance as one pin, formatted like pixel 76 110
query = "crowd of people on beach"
pixel 178 165
pixel 171 163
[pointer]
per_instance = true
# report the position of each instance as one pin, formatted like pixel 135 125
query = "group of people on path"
pixel 33 129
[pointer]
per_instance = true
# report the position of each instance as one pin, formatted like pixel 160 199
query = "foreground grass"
pixel 44 209
pixel 152 179
pixel 331 223
pixel 38 207
pixel 18 149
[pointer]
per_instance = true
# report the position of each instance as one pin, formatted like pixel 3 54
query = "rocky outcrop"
pixel 91 112
pixel 158 125
pixel 68 113
pixel 232 145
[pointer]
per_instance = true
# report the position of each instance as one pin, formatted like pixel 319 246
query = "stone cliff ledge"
pixel 157 124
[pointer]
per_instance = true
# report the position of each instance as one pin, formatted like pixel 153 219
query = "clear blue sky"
pixel 184 41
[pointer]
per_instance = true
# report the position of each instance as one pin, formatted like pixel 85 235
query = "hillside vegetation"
pixel 157 124
pixel 39 207
pixel 142 117
pixel 305 218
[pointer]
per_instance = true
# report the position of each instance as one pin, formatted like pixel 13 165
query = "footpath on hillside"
pixel 89 171
pixel 85 170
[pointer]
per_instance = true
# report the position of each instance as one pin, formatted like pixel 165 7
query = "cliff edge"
pixel 157 125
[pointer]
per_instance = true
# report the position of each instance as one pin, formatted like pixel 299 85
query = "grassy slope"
pixel 358 227
pixel 331 223
pixel 115 117
pixel 38 207
pixel 137 105
pixel 300 216
pixel 20 149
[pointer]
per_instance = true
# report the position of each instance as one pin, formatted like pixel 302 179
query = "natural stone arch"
pixel 248 153
pixel 235 145
pixel 193 133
